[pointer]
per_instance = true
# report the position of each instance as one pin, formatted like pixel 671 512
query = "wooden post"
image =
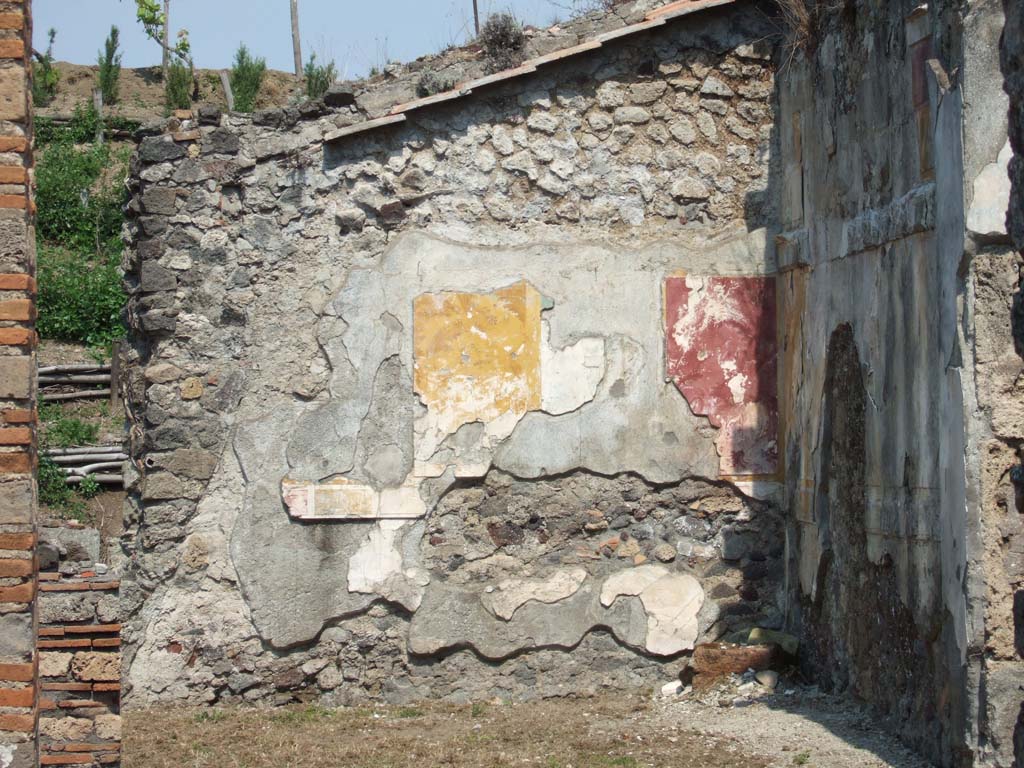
pixel 476 17
pixel 97 102
pixel 115 379
pixel 229 96
pixel 296 42
pixel 167 37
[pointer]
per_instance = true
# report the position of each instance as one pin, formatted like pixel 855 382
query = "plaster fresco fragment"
pixel 477 359
pixel 721 352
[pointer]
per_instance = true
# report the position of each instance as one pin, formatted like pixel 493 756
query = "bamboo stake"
pixel 83 450
pixel 118 479
pixel 75 368
pixel 88 470
pixel 90 457
pixel 50 381
pixel 49 398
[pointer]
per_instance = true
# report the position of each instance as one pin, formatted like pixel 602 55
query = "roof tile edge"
pixel 655 18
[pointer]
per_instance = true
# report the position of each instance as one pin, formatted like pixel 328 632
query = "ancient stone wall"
pixel 17 384
pixel 898 370
pixel 481 403
pixel 1012 50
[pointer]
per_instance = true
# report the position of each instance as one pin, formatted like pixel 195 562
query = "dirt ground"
pixel 627 731
pixel 142 91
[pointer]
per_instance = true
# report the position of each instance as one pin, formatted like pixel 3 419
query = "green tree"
pixel 154 22
pixel 110 67
pixel 246 79
pixel 319 77
pixel 44 76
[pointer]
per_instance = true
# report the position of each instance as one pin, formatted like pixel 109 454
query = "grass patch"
pixel 406 713
pixel 66 432
pixel 310 714
pixel 803 758
pixel 210 716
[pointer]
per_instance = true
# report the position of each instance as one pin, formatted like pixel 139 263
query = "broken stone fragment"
pixel 714 87
pixel 689 188
pixel 632 115
pixel 340 95
pixel 191 388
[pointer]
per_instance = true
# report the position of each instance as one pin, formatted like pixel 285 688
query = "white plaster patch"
pixel 7 754
pixel 987 215
pixel 672 602
pixel 377 569
pixel 569 376
pixel 509 595
pixel 709 304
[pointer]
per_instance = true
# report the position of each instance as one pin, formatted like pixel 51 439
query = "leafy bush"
pixel 78 207
pixel 319 78
pixel 79 299
pixel 431 83
pixel 44 77
pixel 178 88
pixel 81 129
pixel 503 42
pixel 80 196
pixel 110 67
pixel 247 79
pixel 88 488
pixel 55 492
pixel 67 432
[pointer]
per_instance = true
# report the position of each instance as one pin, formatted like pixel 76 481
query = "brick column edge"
pixel 19 664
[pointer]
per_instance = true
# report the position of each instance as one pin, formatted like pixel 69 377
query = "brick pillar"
pixel 18 566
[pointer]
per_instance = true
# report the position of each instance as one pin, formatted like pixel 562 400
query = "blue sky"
pixel 357 34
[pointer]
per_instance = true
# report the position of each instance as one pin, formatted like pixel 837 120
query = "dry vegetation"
pixel 142 90
pixel 593 733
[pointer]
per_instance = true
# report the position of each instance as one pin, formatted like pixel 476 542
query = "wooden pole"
pixel 476 17
pixel 296 41
pixel 115 376
pixel 97 102
pixel 229 97
pixel 167 37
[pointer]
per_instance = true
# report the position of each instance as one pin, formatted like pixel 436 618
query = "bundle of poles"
pixel 77 376
pixel 103 463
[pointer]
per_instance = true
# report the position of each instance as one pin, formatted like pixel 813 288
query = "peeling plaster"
pixel 672 602
pixel 504 599
pixel 722 355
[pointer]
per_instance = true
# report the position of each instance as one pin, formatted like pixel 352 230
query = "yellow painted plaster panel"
pixel 477 356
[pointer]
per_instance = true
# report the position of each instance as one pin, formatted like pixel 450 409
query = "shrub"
pixel 44 76
pixel 80 196
pixel 81 128
pixel 503 42
pixel 246 79
pixel 319 78
pixel 78 207
pixel 88 488
pixel 68 432
pixel 431 83
pixel 79 299
pixel 110 67
pixel 178 88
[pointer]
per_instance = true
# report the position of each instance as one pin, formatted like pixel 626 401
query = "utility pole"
pixel 296 43
pixel 476 17
pixel 167 37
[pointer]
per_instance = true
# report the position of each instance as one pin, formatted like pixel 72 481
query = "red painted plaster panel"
pixel 722 354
